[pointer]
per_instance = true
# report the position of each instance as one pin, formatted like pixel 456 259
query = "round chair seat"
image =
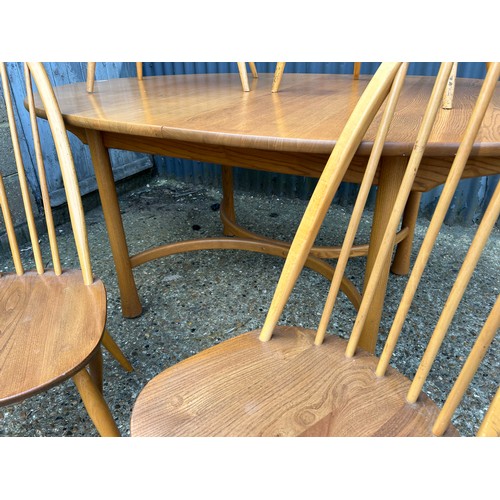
pixel 50 327
pixel 285 387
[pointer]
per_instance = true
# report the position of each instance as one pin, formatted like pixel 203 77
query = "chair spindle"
pixel 333 173
pixel 399 205
pixel 49 220
pixel 11 233
pixel 440 211
pixel 364 189
pixel 30 219
pixel 469 264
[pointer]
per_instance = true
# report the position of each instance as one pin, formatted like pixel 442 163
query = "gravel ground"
pixel 194 300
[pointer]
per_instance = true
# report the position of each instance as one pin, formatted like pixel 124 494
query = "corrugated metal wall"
pixel 472 194
pixel 468 205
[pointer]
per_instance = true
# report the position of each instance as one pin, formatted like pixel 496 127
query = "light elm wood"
pixel 476 355
pixel 490 427
pixel 9 226
pixel 250 245
pixel 450 88
pixel 464 150
pixel 365 328
pixel 355 128
pixel 461 281
pixel 138 67
pixel 356 70
pixel 42 178
pixel 278 75
pixel 242 69
pixel 280 69
pixel 401 261
pixel 360 203
pixel 52 321
pixel 228 215
pixel 95 405
pixel 204 118
pixel 131 305
pixel 188 110
pixel 90 76
pixel 109 343
pixel 277 381
pixel 286 387
pixel 51 328
pixel 23 183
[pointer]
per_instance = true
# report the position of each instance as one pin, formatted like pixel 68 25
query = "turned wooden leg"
pixel 131 305
pixel 227 205
pixel 95 369
pixel 390 177
pixel 108 342
pixel 95 404
pixel 401 261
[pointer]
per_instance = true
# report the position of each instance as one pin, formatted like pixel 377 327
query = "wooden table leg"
pixel 131 305
pixel 390 176
pixel 227 205
pixel 401 261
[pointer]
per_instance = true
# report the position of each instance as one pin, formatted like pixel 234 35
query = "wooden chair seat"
pixel 51 327
pixel 287 387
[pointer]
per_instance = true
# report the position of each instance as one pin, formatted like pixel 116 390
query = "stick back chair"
pixel 52 321
pixel 292 381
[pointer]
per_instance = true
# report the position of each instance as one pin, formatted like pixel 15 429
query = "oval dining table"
pixel 207 117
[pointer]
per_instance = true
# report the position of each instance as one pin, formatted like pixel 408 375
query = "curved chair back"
pixel 314 216
pixel 35 72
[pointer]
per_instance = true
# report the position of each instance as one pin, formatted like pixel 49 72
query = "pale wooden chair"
pixel 53 320
pixel 292 381
pixel 242 69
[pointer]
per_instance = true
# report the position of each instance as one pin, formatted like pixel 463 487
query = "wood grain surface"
pixel 50 327
pixel 208 118
pixel 285 387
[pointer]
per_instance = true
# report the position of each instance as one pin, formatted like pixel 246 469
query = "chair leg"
pixel 95 404
pixel 95 369
pixel 108 342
